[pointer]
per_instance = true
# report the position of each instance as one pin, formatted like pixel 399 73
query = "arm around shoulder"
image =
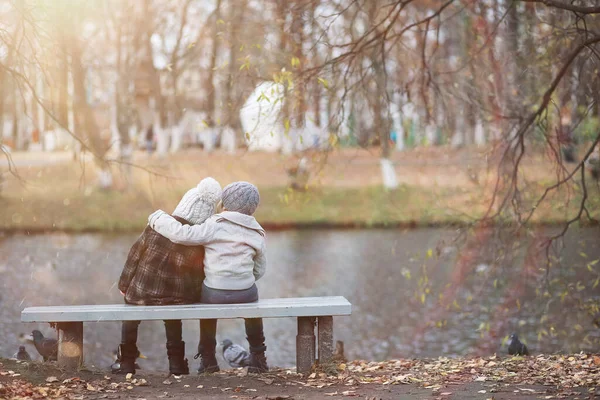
pixel 176 232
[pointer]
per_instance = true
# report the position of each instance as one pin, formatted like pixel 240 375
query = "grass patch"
pixel 77 210
pixel 64 197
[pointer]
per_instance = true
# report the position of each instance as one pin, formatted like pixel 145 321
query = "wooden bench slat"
pixel 267 308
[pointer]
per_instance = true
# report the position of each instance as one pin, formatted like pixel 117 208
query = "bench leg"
pixel 70 345
pixel 325 329
pixel 305 344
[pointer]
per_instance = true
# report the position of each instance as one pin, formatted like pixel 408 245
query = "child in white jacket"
pixel 234 260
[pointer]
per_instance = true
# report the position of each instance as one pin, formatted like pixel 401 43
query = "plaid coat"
pixel 160 272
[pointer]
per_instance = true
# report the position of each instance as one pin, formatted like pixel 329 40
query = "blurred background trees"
pixel 506 74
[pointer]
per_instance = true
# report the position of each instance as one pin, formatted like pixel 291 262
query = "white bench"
pixel 310 311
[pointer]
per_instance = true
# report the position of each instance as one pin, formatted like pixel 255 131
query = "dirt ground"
pixel 36 380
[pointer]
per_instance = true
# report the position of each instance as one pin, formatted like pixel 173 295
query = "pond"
pixel 415 293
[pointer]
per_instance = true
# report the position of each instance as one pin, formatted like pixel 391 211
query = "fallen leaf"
pixel 331 394
pixel 445 393
pixel 167 382
pixel 199 386
pixel 90 388
pixel 51 379
pixel 482 391
pixel 128 376
pixel 349 393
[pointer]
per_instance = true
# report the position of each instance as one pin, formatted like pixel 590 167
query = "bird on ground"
pixel 515 347
pixel 48 348
pixel 235 355
pixel 22 354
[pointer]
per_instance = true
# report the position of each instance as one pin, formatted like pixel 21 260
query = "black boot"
pixel 208 361
pixel 258 362
pixel 178 364
pixel 126 356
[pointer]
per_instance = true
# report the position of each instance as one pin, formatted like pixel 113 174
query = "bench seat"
pixel 310 311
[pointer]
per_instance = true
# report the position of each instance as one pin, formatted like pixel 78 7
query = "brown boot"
pixel 208 361
pixel 178 364
pixel 258 363
pixel 126 356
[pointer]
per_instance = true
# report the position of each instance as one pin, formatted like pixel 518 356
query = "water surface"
pixel 415 293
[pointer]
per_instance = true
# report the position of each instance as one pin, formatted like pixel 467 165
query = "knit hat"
pixel 199 203
pixel 242 197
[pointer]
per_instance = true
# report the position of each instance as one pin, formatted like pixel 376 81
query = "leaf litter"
pixel 555 371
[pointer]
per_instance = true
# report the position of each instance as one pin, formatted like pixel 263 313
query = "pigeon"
pixel 515 347
pixel 235 355
pixel 22 354
pixel 48 348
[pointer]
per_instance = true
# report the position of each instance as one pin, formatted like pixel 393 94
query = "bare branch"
pixel 566 6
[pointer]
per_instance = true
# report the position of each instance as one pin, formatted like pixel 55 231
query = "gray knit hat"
pixel 242 197
pixel 199 203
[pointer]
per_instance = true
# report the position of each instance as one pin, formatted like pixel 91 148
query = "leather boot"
pixel 126 356
pixel 208 361
pixel 178 364
pixel 258 362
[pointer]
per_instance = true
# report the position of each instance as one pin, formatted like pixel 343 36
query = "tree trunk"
pixel 381 109
pixel 121 119
pixel 5 78
pixel 231 98
pixel 211 102
pixel 297 30
pixel 63 80
pixel 85 119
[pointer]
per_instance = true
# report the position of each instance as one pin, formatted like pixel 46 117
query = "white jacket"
pixel 234 243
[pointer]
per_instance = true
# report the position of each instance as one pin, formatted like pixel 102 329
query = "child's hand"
pixel 154 216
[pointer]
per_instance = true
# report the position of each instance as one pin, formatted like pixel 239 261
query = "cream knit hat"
pixel 199 203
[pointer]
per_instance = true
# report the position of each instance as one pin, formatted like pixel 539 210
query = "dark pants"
pixel 129 331
pixel 208 327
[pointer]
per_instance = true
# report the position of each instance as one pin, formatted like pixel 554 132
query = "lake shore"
pixel 436 189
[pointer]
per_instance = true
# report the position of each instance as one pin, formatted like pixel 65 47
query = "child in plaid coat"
pixel 160 272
